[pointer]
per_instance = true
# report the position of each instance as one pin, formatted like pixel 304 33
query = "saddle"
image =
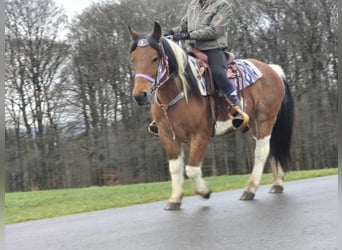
pixel 233 70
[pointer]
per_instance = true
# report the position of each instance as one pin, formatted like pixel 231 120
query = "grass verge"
pixel 25 206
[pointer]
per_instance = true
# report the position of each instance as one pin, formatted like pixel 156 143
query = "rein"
pixel 165 107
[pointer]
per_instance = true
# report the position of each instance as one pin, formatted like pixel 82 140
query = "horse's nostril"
pixel 141 99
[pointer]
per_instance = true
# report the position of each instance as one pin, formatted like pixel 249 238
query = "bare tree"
pixel 72 123
pixel 34 56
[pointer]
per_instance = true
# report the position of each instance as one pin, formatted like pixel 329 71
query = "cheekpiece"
pixel 143 42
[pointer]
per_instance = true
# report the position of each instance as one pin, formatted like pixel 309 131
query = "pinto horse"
pixel 165 79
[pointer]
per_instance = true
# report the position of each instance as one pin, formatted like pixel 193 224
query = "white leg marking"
pixel 195 174
pixel 278 173
pixel 222 127
pixel 176 169
pixel 262 150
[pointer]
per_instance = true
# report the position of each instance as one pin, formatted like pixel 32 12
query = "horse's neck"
pixel 169 91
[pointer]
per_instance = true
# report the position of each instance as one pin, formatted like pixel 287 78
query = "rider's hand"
pixel 181 36
pixel 169 33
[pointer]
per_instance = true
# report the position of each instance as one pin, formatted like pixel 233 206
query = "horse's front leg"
pixel 176 168
pixel 198 148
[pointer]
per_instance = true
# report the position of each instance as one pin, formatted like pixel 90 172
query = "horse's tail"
pixel 282 130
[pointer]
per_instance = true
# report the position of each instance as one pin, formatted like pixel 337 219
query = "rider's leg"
pixel 218 64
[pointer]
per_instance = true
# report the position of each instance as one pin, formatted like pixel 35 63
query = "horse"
pixel 167 81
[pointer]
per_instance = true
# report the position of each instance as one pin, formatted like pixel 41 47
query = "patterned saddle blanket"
pixel 240 71
pixel 243 73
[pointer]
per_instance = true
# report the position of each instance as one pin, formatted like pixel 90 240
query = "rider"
pixel 205 25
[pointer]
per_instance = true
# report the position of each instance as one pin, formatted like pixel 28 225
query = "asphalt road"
pixel 304 217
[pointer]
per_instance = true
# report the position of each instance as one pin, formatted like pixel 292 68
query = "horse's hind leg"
pixel 198 147
pixel 278 177
pixel 262 150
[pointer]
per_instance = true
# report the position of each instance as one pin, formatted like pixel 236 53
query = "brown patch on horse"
pixel 263 100
pixel 143 59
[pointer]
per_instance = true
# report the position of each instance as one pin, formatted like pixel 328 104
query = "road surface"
pixel 304 217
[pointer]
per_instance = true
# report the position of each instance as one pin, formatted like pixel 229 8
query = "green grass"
pixel 25 206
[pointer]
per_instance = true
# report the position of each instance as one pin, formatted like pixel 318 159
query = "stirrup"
pixel 153 128
pixel 240 124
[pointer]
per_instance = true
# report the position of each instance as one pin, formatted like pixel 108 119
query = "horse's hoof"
pixel 246 196
pixel 276 189
pixel 173 206
pixel 205 196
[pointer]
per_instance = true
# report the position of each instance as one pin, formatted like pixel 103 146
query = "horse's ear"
pixel 156 33
pixel 134 33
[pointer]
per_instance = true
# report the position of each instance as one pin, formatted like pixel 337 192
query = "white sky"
pixel 73 7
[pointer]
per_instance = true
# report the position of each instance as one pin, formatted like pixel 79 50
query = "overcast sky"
pixel 75 6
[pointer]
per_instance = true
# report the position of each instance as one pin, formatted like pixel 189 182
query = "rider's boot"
pixel 153 128
pixel 240 118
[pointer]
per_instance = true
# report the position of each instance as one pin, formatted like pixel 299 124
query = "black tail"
pixel 282 131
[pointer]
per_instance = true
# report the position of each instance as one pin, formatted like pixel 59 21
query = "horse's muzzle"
pixel 143 98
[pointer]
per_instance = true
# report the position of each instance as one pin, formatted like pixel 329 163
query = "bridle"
pixel 162 71
pixel 163 76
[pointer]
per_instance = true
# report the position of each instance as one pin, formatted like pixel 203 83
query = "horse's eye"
pixel 155 59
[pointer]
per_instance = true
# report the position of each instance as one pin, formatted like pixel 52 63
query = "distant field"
pixel 25 206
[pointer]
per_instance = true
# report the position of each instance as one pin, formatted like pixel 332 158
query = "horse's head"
pixel 146 57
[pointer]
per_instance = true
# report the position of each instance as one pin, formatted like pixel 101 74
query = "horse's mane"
pixel 183 68
pixel 178 62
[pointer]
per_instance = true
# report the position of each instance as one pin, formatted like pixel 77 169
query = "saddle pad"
pixel 250 74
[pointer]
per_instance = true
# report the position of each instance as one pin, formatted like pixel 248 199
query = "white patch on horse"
pixel 278 69
pixel 195 174
pixel 221 127
pixel 176 168
pixel 262 150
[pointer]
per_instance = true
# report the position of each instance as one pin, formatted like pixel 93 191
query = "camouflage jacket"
pixel 207 25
